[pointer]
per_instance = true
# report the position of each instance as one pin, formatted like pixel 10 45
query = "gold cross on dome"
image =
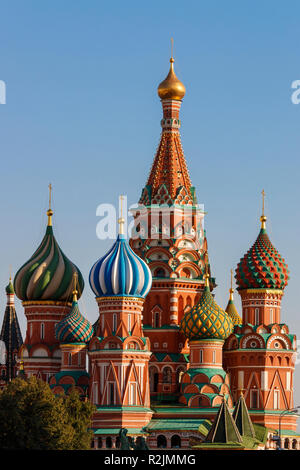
pixel 50 191
pixel 263 201
pixel 172 46
pixel 121 220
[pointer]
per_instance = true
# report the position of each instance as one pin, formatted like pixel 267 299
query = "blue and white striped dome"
pixel 120 273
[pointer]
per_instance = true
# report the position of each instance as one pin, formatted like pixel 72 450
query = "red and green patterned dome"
pixel 74 328
pixel 262 267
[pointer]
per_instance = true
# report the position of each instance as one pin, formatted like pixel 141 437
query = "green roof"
pixel 224 429
pixel 242 419
pixel 115 431
pixel 178 424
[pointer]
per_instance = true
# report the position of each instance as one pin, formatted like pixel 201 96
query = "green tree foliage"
pixel 32 417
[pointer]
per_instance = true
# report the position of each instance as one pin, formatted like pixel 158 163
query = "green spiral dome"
pixel 48 274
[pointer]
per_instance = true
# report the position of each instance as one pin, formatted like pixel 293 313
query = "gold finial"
pixel 50 211
pixel 206 275
pixel 75 291
pixel 171 88
pixel 231 290
pixel 263 218
pixel 121 220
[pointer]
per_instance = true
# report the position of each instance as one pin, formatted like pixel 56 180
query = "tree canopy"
pixel 32 417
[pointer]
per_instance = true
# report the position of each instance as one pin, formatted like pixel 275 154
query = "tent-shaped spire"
pixel 223 429
pixel 11 333
pixel 242 418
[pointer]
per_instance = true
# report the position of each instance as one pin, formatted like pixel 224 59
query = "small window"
pixel 214 357
pixel 111 393
pixel 114 322
pixel 256 319
pixel 201 356
pixel 42 331
pixel 129 322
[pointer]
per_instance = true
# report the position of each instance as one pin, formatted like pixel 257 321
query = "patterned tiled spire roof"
pixel 262 267
pixel 223 429
pixel 47 275
pixel 242 418
pixel 169 181
pixel 10 332
pixel 206 320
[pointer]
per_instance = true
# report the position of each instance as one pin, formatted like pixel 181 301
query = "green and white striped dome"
pixel 48 274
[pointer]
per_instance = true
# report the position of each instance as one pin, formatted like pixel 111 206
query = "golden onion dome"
pixel 171 88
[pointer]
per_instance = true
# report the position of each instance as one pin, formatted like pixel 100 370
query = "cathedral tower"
pixel 11 337
pixel 260 354
pixel 206 326
pixel 168 234
pixel 73 332
pixel 119 352
pixel 44 284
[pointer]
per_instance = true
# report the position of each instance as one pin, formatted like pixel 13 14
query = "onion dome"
pixel 206 320
pixel 171 88
pixel 231 308
pixel 74 328
pixel 47 275
pixel 10 288
pixel 262 267
pixel 120 272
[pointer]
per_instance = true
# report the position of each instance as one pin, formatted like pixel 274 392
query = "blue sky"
pixel 82 112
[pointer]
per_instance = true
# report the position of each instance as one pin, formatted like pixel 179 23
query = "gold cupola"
pixel 171 88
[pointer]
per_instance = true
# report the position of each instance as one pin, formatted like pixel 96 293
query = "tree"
pixel 32 417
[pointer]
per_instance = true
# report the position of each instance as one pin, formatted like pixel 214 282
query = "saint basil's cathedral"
pixel 165 361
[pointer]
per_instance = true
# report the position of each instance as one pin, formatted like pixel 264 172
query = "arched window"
pixel 286 443
pixel 271 315
pixel 100 444
pixel 161 442
pixel 70 359
pixel 42 330
pixel 108 442
pixel 256 316
pixel 254 399
pixel 176 441
pixel 167 375
pixel 156 322
pixel 153 377
pixel 160 272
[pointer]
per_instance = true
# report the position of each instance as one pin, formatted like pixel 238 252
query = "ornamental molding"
pixel 278 337
pixel 253 337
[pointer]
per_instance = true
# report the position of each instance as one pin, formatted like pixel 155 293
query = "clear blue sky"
pixel 82 112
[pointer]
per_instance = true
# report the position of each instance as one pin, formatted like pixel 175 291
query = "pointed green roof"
pixel 223 429
pixel 242 418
